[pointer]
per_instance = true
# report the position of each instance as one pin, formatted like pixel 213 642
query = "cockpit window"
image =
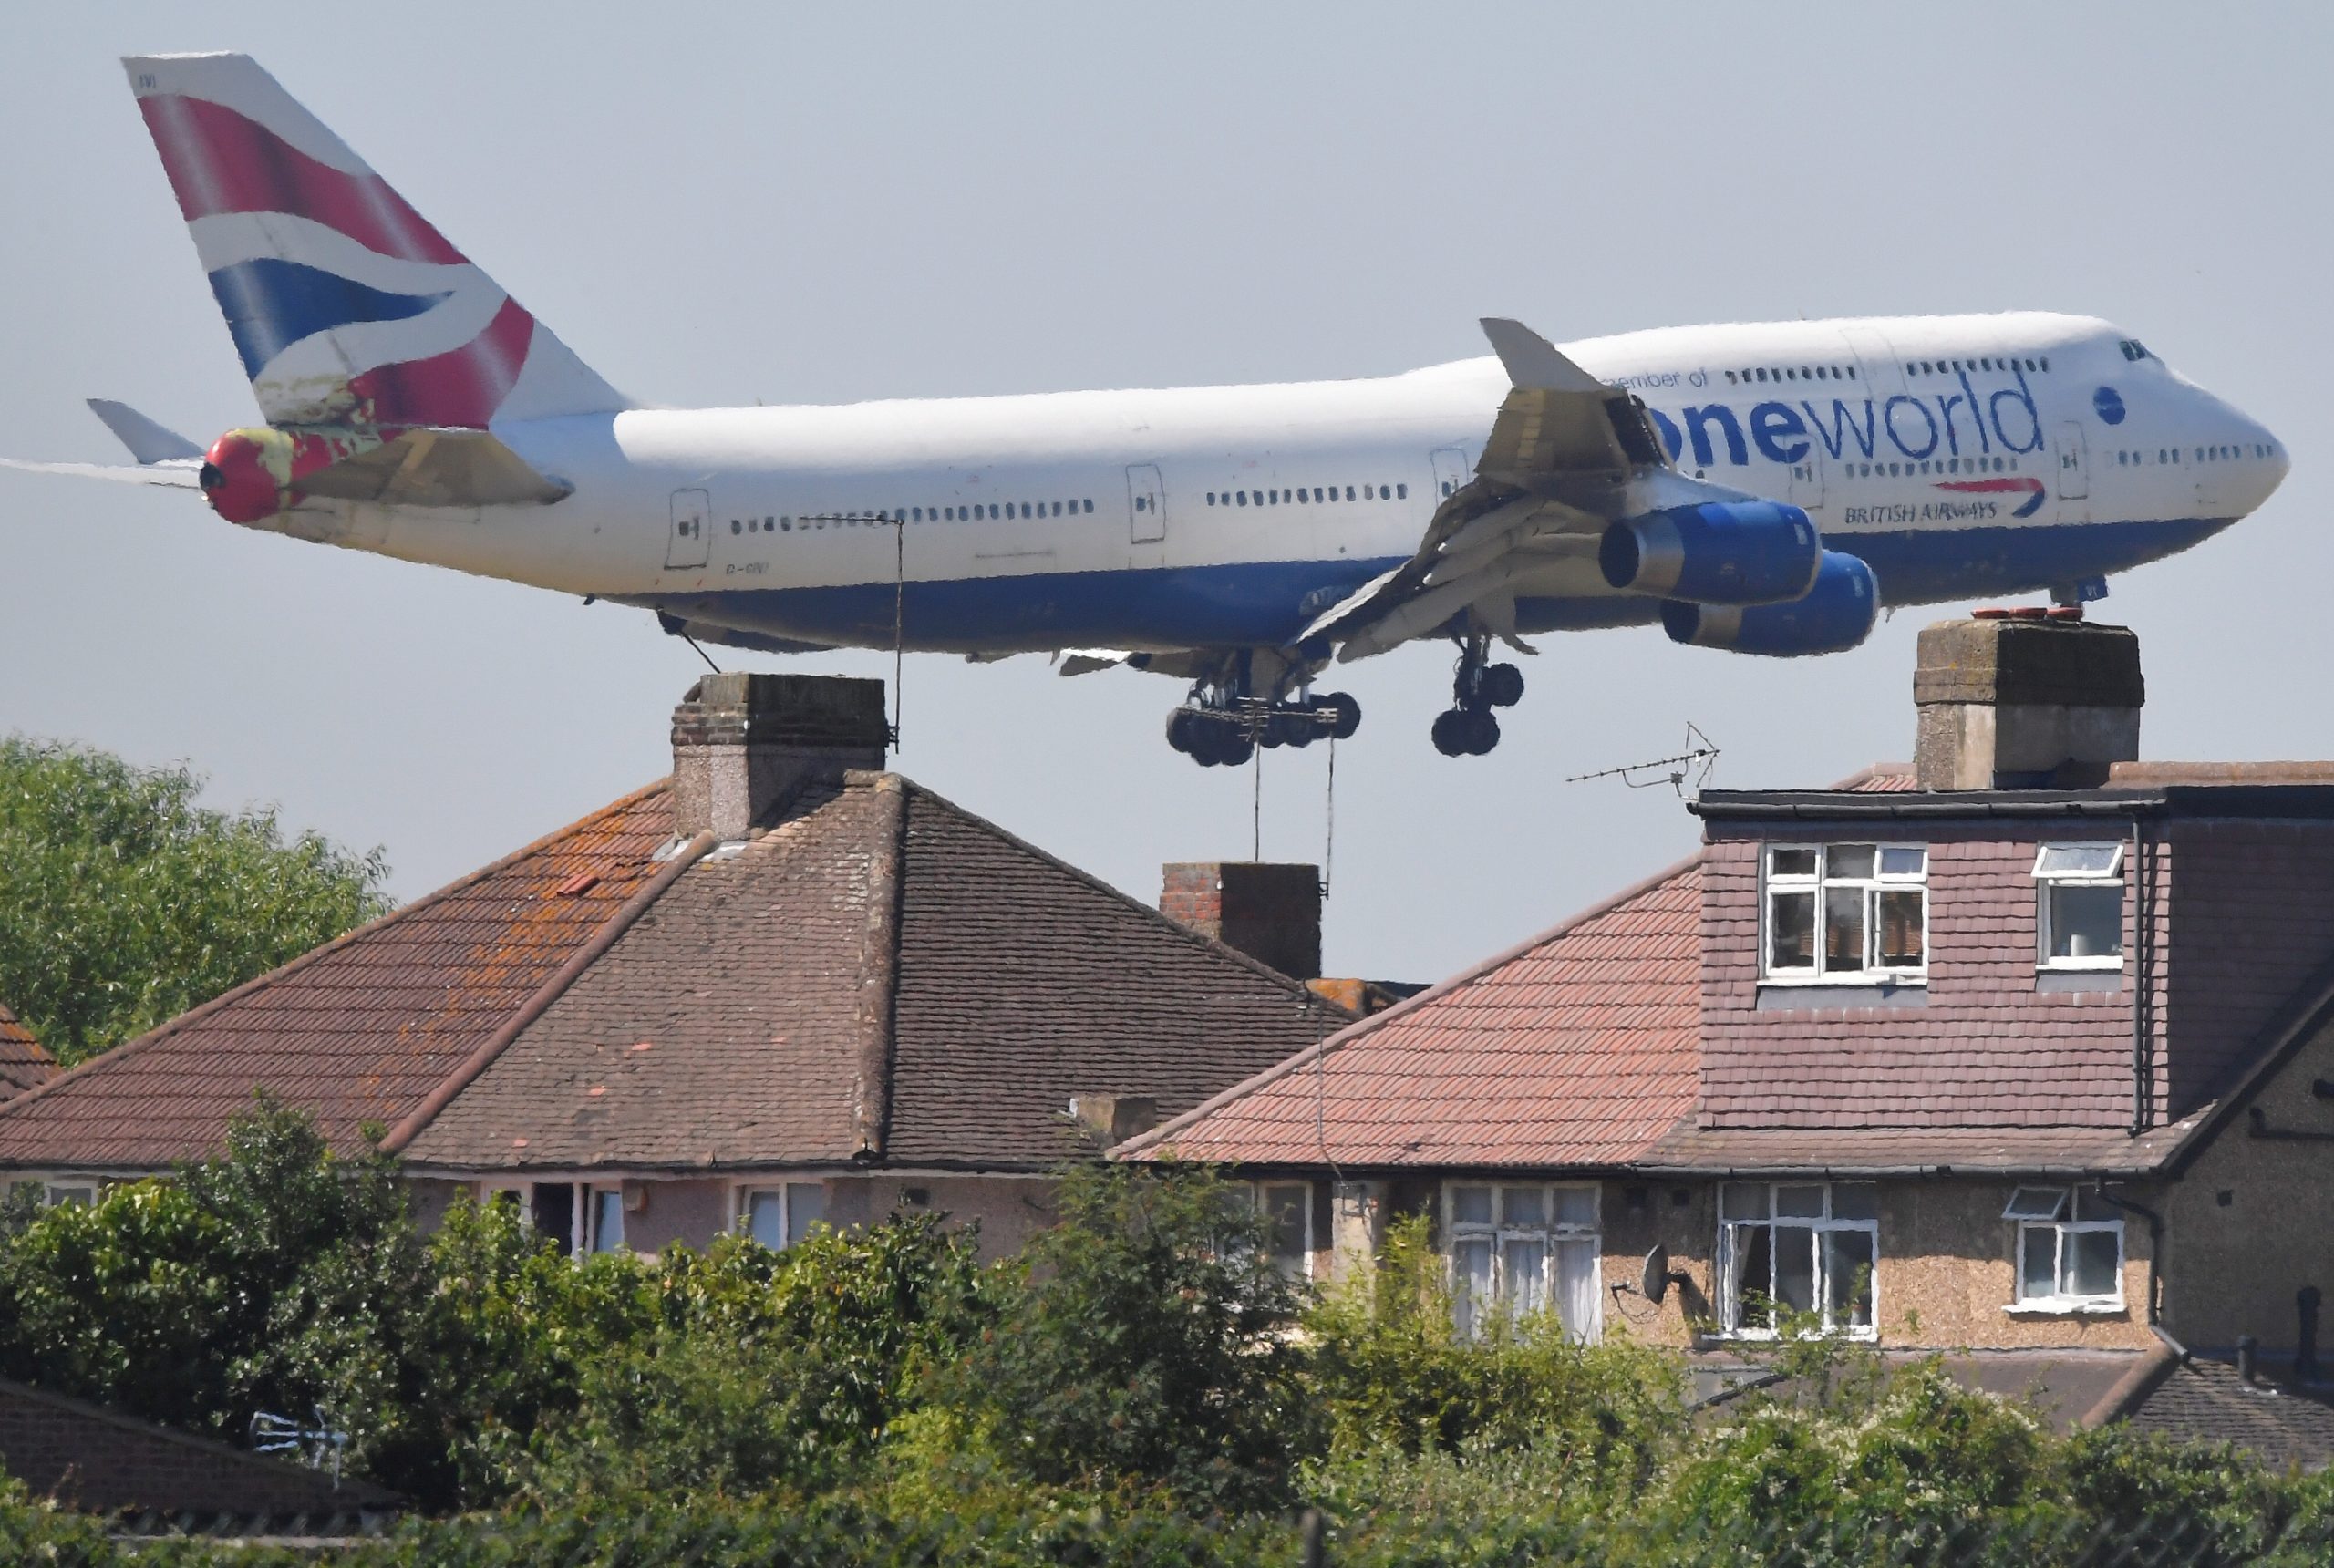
pixel 2133 349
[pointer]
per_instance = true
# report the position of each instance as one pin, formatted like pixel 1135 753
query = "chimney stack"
pixel 745 744
pixel 1270 911
pixel 2020 702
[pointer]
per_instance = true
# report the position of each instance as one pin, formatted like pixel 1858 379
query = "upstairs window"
pixel 1846 912
pixel 1516 1249
pixel 2079 906
pixel 2069 1249
pixel 1798 1255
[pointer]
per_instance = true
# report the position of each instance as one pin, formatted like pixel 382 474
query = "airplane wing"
pixel 1566 455
pixel 176 475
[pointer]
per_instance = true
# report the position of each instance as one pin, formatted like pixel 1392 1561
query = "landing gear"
pixel 1221 725
pixel 1468 728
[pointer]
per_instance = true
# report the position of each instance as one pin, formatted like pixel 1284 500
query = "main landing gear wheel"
pixel 1468 728
pixel 1217 735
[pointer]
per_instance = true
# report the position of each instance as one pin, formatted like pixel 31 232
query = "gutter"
pixel 550 991
pixel 1836 811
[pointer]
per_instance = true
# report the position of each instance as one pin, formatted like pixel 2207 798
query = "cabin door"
pixel 1449 473
pixel 1146 505
pixel 2074 473
pixel 688 544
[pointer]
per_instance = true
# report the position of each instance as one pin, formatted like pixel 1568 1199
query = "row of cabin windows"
pixel 1935 465
pixel 894 516
pixel 1788 373
pixel 1958 367
pixel 1308 495
pixel 1860 912
pixel 2223 454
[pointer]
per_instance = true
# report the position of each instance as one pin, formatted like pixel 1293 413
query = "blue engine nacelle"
pixel 1832 618
pixel 1722 553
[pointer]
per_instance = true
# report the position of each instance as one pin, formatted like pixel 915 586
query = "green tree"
pixel 123 903
pixel 1153 1344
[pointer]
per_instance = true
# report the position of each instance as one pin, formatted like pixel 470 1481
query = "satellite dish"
pixel 1652 1281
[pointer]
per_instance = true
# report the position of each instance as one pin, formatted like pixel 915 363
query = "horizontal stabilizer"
pixel 176 474
pixel 148 442
pixel 435 468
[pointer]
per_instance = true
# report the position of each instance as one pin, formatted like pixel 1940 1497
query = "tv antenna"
pixel 319 1447
pixel 1698 760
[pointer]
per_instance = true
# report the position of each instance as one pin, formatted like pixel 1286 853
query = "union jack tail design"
pixel 347 306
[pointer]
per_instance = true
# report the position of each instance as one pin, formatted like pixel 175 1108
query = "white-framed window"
pixel 781 1214
pixel 1850 913
pixel 2069 1249
pixel 2079 906
pixel 1287 1208
pixel 1802 1250
pixel 83 1194
pixel 604 1219
pixel 1518 1248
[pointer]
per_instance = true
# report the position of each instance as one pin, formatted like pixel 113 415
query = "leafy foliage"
pixel 1151 1344
pixel 125 902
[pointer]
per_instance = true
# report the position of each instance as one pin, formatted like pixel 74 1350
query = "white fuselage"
pixel 1957 454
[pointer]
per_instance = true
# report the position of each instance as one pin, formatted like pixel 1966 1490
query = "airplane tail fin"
pixel 348 307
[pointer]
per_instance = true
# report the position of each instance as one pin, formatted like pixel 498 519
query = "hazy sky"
pixel 852 201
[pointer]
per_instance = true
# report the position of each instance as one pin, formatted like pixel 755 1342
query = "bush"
pixel 1151 1344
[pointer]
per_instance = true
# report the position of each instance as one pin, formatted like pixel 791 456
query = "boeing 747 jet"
pixel 1764 488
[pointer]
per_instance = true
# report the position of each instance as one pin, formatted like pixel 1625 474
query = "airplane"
pixel 1764 488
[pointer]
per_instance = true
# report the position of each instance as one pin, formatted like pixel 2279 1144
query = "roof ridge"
pixel 1151 912
pixel 604 936
pixel 1159 1135
pixel 201 1010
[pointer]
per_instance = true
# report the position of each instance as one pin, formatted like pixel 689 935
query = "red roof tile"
pixel 1575 1049
pixel 358 1030
pixel 23 1064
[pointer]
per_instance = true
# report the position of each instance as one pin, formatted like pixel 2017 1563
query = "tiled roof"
pixel 23 1064
pixel 1575 1049
pixel 2202 1400
pixel 1849 1150
pixel 883 978
pixel 358 1030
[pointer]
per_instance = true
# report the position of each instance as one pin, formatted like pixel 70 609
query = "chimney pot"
pixel 2248 1358
pixel 2023 704
pixel 745 745
pixel 2306 1302
pixel 1271 912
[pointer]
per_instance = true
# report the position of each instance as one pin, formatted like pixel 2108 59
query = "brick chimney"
pixel 1270 911
pixel 2019 703
pixel 745 745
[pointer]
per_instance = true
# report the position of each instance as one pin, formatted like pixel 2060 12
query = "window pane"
pixel 1522 1206
pixel 2036 1203
pixel 806 1205
pixel 1576 1206
pixel 1285 1207
pixel 1847 1279
pixel 1471 1205
pixel 2086 921
pixel 1855 1201
pixel 1792 863
pixel 1910 860
pixel 1901 914
pixel 1842 930
pixel 2078 860
pixel 1795 1268
pixel 1470 1281
pixel 766 1218
pixel 2091 1257
pixel 83 1197
pixel 2038 1269
pixel 1754 1276
pixel 1576 1294
pixel 1743 1200
pixel 1791 929
pixel 1849 860
pixel 1799 1202
pixel 1524 1267
pixel 2090 1205
pixel 607 1220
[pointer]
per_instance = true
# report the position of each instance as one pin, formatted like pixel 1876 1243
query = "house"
pixel 782 985
pixel 2025 1050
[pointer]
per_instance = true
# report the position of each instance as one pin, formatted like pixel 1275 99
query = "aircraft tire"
pixel 1233 747
pixel 1346 710
pixel 1481 732
pixel 1451 732
pixel 1181 724
pixel 1502 685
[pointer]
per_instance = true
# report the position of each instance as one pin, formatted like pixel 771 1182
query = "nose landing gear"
pixel 1469 727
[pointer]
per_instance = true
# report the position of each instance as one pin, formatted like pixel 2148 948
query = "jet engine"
pixel 1831 617
pixel 1721 552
